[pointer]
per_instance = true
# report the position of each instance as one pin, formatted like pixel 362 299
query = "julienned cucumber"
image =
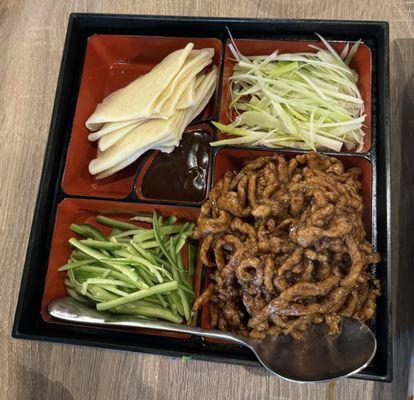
pixel 133 270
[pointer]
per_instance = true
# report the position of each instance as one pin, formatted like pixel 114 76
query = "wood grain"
pixel 31 41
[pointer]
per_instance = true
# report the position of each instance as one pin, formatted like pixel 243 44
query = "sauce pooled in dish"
pixel 182 174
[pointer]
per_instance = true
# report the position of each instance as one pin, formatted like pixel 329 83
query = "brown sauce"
pixel 182 174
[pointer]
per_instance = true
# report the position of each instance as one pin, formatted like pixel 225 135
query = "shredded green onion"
pixel 307 101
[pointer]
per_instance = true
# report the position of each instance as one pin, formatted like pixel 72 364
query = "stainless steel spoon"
pixel 319 358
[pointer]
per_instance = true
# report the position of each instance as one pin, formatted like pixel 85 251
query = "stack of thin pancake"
pixel 152 111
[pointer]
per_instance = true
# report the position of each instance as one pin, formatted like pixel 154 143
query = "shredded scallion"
pixel 306 100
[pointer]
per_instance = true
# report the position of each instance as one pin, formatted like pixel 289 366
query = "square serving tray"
pixel 374 161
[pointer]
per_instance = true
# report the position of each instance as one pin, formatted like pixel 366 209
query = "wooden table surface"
pixel 31 41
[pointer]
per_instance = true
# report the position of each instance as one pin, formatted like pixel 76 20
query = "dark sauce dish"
pixel 182 174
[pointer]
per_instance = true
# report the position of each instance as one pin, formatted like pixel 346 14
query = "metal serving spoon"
pixel 318 358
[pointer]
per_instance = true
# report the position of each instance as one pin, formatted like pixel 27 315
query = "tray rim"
pixel 85 20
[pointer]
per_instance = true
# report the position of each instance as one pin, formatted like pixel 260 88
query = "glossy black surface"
pixel 182 174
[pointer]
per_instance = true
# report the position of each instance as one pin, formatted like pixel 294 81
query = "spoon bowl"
pixel 318 358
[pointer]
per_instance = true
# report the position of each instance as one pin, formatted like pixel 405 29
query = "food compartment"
pixel 84 211
pixel 228 159
pixel 361 63
pixel 233 159
pixel 182 176
pixel 112 62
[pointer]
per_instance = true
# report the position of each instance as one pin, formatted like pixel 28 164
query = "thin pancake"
pixel 137 100
pixel 200 57
pixel 105 142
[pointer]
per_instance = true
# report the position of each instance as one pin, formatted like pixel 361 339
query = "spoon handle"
pixel 68 309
